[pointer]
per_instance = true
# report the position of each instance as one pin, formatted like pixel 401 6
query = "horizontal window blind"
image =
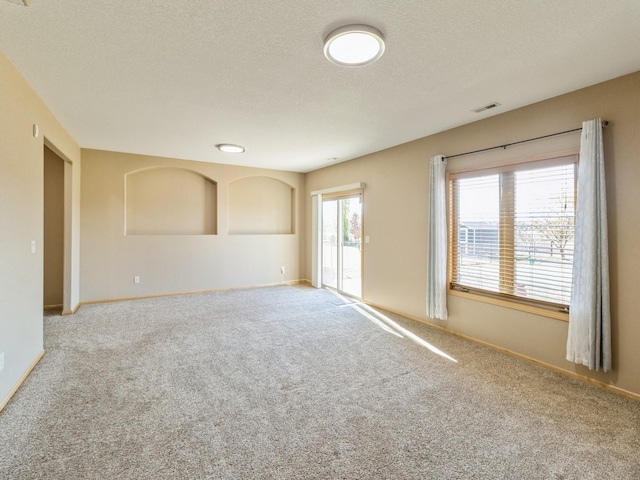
pixel 512 231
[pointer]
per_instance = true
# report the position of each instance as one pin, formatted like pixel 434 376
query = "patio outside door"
pixel 341 244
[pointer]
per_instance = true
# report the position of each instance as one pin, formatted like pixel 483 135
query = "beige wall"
pixel 175 263
pixel 395 209
pixel 53 246
pixel 21 220
pixel 260 205
pixel 170 201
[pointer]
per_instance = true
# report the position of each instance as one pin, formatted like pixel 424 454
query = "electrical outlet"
pixel 1 361
pixel 282 269
pixel 136 279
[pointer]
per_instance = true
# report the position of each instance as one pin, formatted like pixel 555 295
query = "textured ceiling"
pixel 175 78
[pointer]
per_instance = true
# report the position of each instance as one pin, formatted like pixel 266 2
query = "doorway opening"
pixel 342 244
pixel 53 246
pixel 57 231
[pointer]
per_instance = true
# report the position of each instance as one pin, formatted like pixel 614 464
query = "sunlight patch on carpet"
pixel 389 325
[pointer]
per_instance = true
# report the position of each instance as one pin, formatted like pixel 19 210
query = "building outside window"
pixel 512 231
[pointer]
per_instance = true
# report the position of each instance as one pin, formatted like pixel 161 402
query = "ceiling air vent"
pixel 486 107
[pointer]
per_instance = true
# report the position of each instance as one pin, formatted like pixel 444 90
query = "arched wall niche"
pixel 170 201
pixel 260 205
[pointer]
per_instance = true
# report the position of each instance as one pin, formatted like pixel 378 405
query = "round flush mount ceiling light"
pixel 230 148
pixel 354 45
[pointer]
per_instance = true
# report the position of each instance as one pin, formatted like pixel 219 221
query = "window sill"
pixel 543 312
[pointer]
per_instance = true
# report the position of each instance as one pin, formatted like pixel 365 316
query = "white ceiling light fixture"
pixel 354 45
pixel 230 148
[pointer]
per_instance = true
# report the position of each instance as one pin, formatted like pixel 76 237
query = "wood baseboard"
pixel 51 307
pixel 21 380
pixel 191 292
pixel 72 311
pixel 568 373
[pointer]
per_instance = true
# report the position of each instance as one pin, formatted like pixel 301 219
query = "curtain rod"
pixel 604 124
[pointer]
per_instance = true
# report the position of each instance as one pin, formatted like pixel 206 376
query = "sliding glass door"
pixel 341 244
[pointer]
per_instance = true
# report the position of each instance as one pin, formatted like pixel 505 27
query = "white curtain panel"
pixel 437 249
pixel 589 339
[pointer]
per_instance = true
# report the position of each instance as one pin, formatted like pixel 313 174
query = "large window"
pixel 512 231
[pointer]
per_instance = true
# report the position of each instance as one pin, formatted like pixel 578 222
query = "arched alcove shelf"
pixel 261 205
pixel 170 201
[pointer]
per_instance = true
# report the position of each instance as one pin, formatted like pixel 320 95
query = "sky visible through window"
pixel 541 221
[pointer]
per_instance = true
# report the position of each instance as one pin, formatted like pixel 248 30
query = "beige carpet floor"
pixel 297 383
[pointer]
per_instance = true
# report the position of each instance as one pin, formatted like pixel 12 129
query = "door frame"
pixel 340 246
pixel 67 281
pixel 316 228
